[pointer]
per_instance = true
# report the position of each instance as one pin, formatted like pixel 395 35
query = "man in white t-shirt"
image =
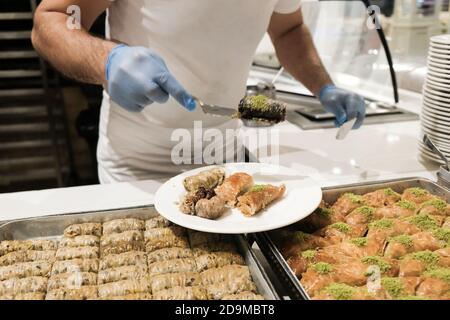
pixel 159 53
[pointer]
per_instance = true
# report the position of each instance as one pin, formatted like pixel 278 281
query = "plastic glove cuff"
pixel 110 56
pixel 324 89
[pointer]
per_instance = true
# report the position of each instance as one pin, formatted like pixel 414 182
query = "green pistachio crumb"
pixel 412 298
pixel 442 234
pixel 341 226
pixel 405 204
pixel 403 239
pixel 299 236
pixel 360 242
pixel 340 291
pixel 418 192
pixel 378 261
pixel 259 102
pixel 324 212
pixel 439 273
pixel 355 198
pixel 322 267
pixel 393 285
pixel 428 257
pixel 423 222
pixel 309 254
pixel 382 224
pixel 258 187
pixel 366 211
pixel 439 204
pixel 390 192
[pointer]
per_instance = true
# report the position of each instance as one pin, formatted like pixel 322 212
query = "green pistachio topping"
pixel 412 298
pixel 423 221
pixel 393 285
pixel 300 236
pixel 405 204
pixel 341 226
pixel 258 187
pixel 322 267
pixel 418 192
pixel 355 198
pixel 309 254
pixel 439 273
pixel 365 210
pixel 340 291
pixel 259 102
pixel 442 234
pixel 390 192
pixel 428 257
pixel 378 261
pixel 360 242
pixel 382 224
pixel 325 212
pixel 403 239
pixel 439 204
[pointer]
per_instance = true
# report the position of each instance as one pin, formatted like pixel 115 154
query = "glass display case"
pixel 350 47
pixel 354 51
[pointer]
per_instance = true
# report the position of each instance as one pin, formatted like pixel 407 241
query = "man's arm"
pixel 75 53
pixel 296 51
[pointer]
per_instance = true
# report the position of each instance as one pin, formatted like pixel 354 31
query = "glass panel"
pixel 350 48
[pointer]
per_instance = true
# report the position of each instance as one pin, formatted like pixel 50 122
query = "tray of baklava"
pixel 126 254
pixel 385 240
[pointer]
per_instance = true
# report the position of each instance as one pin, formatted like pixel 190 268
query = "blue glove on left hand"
pixel 343 104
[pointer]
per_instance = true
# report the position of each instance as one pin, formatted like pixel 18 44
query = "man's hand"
pixel 343 104
pixel 297 53
pixel 137 77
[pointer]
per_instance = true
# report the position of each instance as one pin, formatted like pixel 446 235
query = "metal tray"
pixel 52 227
pixel 291 285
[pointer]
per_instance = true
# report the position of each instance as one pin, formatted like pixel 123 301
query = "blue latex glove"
pixel 138 77
pixel 343 104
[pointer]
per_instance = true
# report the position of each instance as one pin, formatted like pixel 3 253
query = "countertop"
pixel 374 152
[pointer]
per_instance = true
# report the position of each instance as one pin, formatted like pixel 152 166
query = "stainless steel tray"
pixel 291 285
pixel 53 226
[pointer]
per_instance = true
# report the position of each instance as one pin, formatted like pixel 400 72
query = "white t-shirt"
pixel 208 45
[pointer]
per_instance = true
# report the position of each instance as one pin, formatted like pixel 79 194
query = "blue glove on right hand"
pixel 138 77
pixel 344 104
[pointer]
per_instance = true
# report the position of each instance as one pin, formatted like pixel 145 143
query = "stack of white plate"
pixel 436 98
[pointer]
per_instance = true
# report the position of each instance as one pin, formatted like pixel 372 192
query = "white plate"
pixel 433 125
pixel 437 110
pixel 302 197
pixel 439 80
pixel 439 66
pixel 429 111
pixel 446 72
pixel 441 39
pixel 433 50
pixel 436 119
pixel 439 75
pixel 437 94
pixel 429 156
pixel 430 153
pixel 439 46
pixel 440 105
pixel 435 134
pixel 435 55
pixel 445 63
pixel 438 85
pixel 442 142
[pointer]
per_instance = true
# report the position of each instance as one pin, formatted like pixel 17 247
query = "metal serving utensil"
pixel 345 129
pixel 218 111
pixel 427 141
